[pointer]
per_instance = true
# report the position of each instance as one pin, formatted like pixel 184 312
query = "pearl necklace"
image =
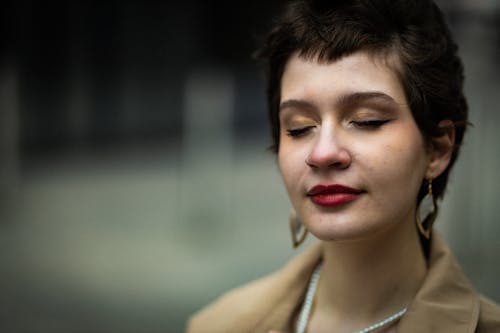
pixel 306 308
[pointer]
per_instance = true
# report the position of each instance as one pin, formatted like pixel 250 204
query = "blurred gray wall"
pixel 135 183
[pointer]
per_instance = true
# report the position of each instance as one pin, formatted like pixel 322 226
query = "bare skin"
pixel 365 281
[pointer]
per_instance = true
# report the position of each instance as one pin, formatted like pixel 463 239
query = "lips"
pixel 333 195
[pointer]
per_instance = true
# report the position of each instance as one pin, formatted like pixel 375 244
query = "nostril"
pixel 339 165
pixel 340 160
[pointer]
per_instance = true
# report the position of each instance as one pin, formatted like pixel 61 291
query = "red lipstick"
pixel 333 195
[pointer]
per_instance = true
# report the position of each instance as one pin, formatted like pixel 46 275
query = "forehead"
pixel 310 78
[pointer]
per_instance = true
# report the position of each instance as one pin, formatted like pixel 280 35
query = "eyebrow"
pixel 296 104
pixel 343 101
pixel 350 99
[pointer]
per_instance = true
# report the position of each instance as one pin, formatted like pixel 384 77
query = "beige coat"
pixel 446 301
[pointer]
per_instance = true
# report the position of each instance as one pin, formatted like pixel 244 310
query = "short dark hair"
pixel 414 31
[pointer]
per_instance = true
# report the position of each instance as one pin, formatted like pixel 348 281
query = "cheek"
pixel 400 166
pixel 395 158
pixel 291 165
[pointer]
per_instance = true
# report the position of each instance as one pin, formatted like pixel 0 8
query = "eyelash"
pixel 294 133
pixel 369 124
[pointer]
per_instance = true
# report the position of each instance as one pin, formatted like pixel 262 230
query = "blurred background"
pixel 135 180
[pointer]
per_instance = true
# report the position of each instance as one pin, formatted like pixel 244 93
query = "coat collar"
pixel 446 301
pixel 290 284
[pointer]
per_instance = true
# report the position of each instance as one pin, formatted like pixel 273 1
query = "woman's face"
pixel 351 155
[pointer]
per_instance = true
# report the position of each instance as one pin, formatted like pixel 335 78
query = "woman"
pixel 367 115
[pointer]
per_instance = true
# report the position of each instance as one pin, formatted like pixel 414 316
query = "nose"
pixel 329 151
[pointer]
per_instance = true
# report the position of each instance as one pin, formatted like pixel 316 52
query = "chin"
pixel 331 232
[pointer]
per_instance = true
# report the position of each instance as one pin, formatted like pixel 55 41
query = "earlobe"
pixel 441 149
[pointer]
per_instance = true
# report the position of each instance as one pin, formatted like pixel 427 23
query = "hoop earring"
pixel 298 230
pixel 425 226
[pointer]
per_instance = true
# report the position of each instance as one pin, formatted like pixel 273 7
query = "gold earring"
pixel 425 226
pixel 299 231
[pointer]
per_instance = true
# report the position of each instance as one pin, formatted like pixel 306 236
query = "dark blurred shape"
pixel 95 73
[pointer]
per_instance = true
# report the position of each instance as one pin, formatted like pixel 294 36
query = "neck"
pixel 367 280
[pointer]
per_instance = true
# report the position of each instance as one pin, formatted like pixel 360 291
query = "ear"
pixel 441 149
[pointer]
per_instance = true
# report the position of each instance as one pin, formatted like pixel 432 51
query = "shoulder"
pixel 489 317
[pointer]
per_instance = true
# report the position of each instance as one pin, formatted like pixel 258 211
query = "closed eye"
pixel 369 124
pixel 297 132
